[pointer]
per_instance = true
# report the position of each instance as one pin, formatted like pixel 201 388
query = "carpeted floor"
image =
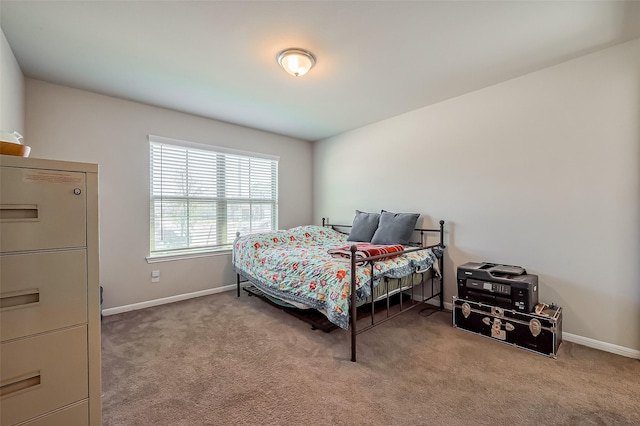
pixel 220 360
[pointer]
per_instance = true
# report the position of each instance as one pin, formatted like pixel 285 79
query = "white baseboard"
pixel 165 300
pixel 603 346
pixel 436 302
pixel 573 338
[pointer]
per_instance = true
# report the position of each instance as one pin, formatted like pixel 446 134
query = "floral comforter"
pixel 295 265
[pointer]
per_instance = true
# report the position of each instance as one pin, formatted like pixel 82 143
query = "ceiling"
pixel 375 60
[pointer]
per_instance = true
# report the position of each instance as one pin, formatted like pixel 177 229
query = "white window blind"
pixel 201 197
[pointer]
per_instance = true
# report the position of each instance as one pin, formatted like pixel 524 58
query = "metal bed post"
pixel 441 264
pixel 422 244
pixel 373 303
pixel 353 306
pixel 233 260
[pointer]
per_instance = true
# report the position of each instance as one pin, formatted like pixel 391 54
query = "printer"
pixel 505 286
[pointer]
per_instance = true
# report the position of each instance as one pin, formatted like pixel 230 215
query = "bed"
pixel 320 268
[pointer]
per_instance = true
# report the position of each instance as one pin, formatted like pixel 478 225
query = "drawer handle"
pixel 19 298
pixel 15 212
pixel 20 383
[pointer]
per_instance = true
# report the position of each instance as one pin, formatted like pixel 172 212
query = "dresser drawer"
pixel 41 373
pixel 76 415
pixel 41 209
pixel 42 291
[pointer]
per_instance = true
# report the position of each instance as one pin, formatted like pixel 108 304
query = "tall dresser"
pixel 49 293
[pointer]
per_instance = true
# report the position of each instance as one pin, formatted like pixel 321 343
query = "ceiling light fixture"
pixel 296 62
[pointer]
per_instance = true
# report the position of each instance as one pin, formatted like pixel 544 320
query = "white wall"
pixel 11 90
pixel 75 125
pixel 541 171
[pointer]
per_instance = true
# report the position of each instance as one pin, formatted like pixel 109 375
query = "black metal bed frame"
pixel 353 314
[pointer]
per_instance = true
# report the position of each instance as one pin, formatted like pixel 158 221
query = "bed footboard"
pixel 439 293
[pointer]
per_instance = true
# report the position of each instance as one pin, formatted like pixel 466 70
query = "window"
pixel 202 195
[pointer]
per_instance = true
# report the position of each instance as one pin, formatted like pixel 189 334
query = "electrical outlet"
pixel 155 276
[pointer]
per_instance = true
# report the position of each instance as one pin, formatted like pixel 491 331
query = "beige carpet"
pixel 220 360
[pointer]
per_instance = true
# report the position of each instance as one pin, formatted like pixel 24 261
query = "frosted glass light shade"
pixel 296 62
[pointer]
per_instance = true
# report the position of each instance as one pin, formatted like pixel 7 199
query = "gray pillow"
pixel 364 226
pixel 395 228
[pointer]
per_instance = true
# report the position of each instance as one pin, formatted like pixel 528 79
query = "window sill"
pixel 172 257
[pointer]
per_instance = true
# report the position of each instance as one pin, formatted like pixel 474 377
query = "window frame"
pixel 184 253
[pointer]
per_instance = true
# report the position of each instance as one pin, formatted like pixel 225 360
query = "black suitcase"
pixel 540 333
